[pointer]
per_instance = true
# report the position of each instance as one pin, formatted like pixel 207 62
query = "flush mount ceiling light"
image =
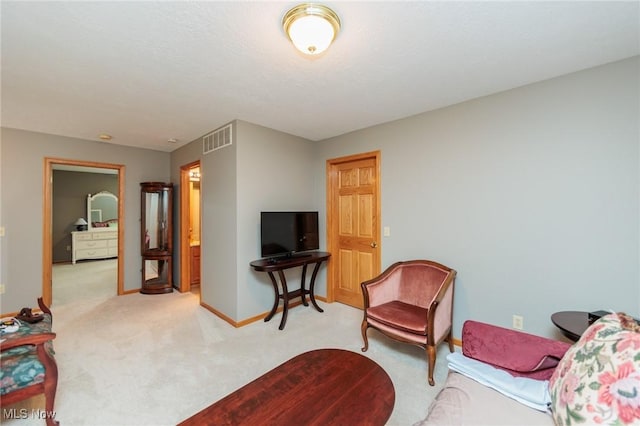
pixel 311 27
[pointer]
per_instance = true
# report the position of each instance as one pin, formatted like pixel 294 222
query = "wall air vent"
pixel 217 139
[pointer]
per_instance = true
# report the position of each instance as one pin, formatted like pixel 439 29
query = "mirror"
pixel 151 236
pixel 102 210
pixel 155 271
pixel 156 232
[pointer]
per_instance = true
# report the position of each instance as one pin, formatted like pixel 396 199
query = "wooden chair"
pixel 28 364
pixel 411 302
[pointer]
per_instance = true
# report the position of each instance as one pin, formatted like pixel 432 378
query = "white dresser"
pixel 94 244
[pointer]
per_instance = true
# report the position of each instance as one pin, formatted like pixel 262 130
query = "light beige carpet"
pixel 84 281
pixel 158 359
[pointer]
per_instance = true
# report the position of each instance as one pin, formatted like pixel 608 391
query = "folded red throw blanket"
pixel 520 354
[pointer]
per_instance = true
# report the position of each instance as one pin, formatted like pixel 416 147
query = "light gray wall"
pixel 218 233
pixel 274 173
pixel 532 195
pixel 21 175
pixel 262 170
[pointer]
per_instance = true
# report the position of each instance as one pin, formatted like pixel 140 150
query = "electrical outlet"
pixel 2 289
pixel 518 322
pixel 68 248
pixel 1 231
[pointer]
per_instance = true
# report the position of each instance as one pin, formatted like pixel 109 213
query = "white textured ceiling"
pixel 145 72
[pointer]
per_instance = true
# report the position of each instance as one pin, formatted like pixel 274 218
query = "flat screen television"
pixel 288 233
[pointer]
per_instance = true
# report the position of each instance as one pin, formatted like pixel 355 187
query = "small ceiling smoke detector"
pixel 105 137
pixel 172 140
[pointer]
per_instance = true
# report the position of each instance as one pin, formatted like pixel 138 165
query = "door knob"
pixel 374 244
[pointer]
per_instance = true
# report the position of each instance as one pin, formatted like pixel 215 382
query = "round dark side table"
pixel 571 323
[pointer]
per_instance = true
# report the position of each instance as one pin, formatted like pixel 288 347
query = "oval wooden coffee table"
pixel 320 387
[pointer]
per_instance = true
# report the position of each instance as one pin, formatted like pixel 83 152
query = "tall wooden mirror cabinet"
pixel 156 237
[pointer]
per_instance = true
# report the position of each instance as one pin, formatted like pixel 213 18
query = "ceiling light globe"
pixel 311 34
pixel 311 27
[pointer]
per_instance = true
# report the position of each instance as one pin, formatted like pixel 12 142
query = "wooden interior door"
pixel 353 225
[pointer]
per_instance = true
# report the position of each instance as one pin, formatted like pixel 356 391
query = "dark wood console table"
pixel 571 323
pixel 279 265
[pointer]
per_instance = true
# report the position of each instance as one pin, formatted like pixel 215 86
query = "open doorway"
pixel 190 227
pixel 116 231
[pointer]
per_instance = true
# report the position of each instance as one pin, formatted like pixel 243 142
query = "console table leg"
pixel 275 303
pixel 285 298
pixel 312 285
pixel 302 292
pixel 281 292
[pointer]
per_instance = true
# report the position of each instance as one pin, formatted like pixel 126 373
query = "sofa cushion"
pixel 598 379
pixel 520 354
pixel 465 402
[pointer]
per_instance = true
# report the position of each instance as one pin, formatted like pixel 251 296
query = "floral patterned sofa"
pixel 28 366
pixel 594 381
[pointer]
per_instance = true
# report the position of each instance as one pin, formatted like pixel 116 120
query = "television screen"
pixel 285 233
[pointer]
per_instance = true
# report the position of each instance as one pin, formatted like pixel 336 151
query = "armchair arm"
pixel 30 334
pixel 443 291
pixel 440 311
pixel 27 339
pixel 44 307
pixel 383 288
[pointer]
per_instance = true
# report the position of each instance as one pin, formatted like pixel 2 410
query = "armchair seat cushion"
pixel 400 315
pixel 20 368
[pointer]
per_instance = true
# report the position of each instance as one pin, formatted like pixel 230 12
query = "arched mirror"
pixel 102 210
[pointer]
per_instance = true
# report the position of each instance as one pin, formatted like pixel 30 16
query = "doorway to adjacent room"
pixel 47 251
pixel 190 227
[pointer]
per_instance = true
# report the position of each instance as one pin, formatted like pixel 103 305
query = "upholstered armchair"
pixel 28 366
pixel 411 302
